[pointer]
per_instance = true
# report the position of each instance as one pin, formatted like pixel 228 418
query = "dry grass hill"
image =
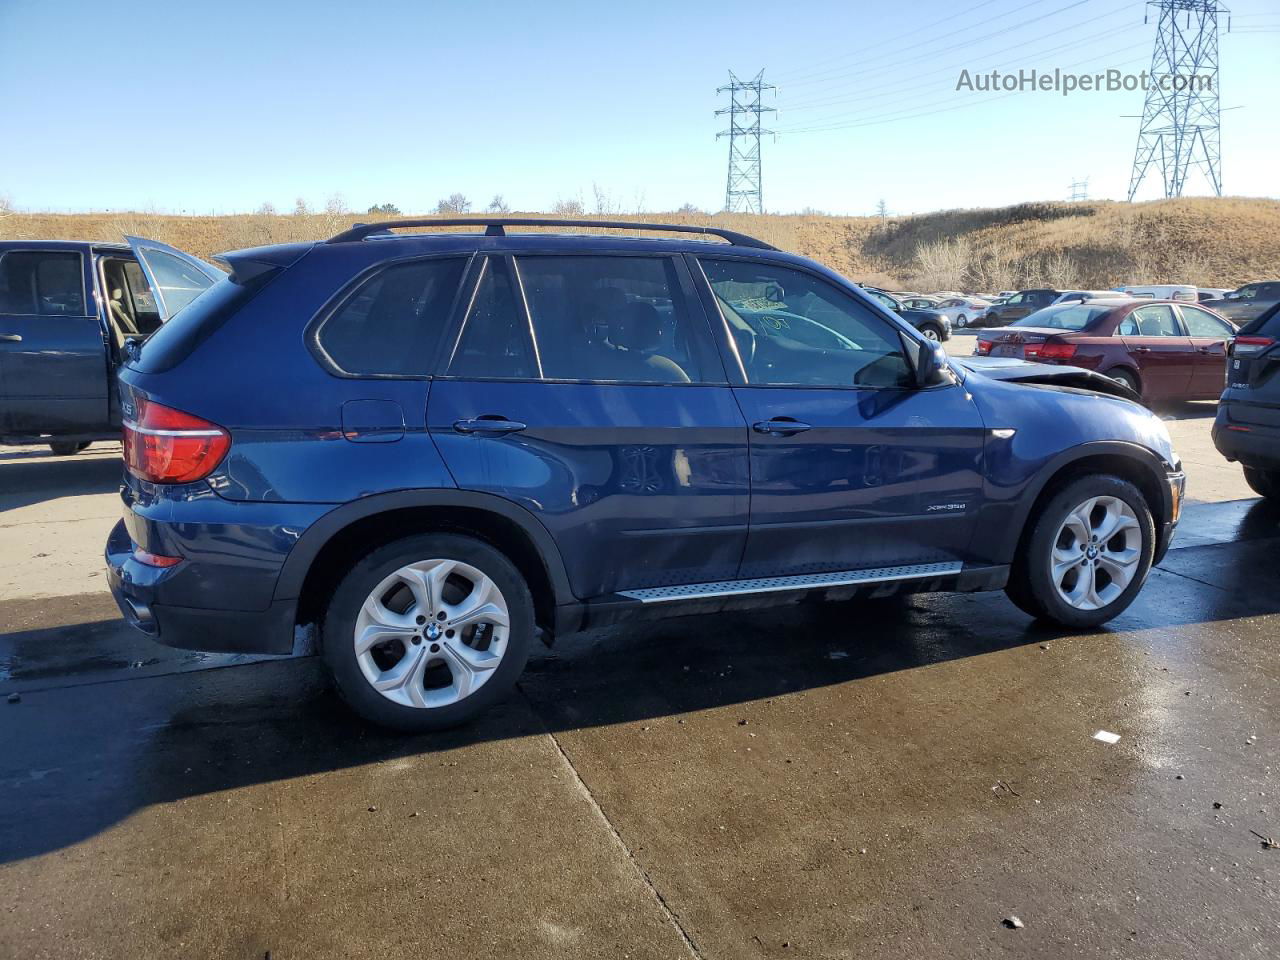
pixel 1206 241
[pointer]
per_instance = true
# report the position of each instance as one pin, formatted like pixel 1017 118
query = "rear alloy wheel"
pixel 1088 554
pixel 426 632
pixel 931 332
pixel 1265 483
pixel 961 321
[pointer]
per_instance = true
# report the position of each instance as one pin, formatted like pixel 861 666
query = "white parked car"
pixel 1211 293
pixel 1163 291
pixel 1068 295
pixel 963 311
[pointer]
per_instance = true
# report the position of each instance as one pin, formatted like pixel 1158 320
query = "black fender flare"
pixel 1135 452
pixel 313 540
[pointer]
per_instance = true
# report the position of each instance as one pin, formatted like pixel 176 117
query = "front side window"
pixel 1156 320
pixel 612 319
pixel 39 283
pixel 1202 323
pixel 793 328
pixel 391 324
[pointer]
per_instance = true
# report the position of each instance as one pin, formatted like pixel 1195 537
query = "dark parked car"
pixel 439 447
pixel 934 325
pixel 1160 349
pixel 1247 429
pixel 1248 302
pixel 1021 304
pixel 68 312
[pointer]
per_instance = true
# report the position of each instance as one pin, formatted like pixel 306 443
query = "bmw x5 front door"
pixel 852 465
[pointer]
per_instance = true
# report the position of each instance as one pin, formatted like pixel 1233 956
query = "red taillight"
pixel 154 559
pixel 1050 351
pixel 164 445
pixel 1250 345
pixel 983 347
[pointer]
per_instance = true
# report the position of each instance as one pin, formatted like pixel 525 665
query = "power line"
pixel 896 55
pixel 743 190
pixel 1079 190
pixel 835 99
pixel 891 117
pixel 1181 119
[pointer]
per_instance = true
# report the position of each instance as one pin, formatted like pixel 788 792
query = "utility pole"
pixel 1079 190
pixel 1180 128
pixel 742 192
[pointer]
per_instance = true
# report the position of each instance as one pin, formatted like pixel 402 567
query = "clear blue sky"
pixel 220 107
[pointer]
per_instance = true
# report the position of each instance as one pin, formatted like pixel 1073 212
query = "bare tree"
pixel 688 208
pixel 6 205
pixel 942 264
pixel 454 203
pixel 268 209
pixel 300 208
pixel 569 209
pixel 336 205
pixel 498 205
pixel 882 211
pixel 605 205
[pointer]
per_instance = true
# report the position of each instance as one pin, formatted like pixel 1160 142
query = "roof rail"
pixel 495 227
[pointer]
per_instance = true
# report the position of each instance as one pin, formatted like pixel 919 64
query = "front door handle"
pixel 489 425
pixel 1141 349
pixel 11 337
pixel 780 427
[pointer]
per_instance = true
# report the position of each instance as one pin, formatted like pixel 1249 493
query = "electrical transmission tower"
pixel 1079 190
pixel 742 191
pixel 1180 120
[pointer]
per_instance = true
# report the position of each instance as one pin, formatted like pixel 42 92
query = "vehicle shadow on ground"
pixel 75 761
pixel 32 475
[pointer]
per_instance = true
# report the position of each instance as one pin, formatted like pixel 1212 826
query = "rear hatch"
pixel 1253 372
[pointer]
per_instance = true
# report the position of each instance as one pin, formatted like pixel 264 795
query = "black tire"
pixel 1128 379
pixel 1265 483
pixel 962 321
pixel 67 448
pixel 992 320
pixel 1031 587
pixel 932 331
pixel 338 629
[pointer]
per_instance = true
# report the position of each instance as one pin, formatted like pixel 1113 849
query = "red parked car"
pixel 1163 350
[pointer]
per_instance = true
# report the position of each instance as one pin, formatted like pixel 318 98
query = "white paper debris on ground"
pixel 1106 736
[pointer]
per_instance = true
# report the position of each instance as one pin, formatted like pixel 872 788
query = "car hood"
pixel 1047 374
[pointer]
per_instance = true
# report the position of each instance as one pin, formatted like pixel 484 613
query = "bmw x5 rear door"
pixel 587 389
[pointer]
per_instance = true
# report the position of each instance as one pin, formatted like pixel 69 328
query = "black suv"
pixel 1021 304
pixel 1248 425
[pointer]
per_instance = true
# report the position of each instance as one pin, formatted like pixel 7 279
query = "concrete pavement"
pixel 884 779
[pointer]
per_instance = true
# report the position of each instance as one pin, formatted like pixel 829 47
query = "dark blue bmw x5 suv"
pixel 438 447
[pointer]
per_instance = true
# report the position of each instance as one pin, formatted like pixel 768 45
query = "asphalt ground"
pixel 876 779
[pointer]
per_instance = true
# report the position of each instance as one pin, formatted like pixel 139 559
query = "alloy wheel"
pixel 432 633
pixel 1096 553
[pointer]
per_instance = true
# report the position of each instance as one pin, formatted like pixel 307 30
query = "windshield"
pixel 1074 316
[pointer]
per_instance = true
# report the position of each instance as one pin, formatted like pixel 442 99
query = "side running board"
pixel 840 578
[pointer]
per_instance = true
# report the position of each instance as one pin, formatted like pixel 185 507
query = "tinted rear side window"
pixel 611 319
pixel 391 324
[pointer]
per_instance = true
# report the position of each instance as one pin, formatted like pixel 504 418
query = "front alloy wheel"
pixel 931 333
pixel 426 632
pixel 1086 554
pixel 1096 553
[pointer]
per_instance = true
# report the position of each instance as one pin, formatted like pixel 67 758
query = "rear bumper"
pixel 220 597
pixel 1251 444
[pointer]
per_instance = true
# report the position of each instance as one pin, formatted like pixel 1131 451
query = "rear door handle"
pixel 11 337
pixel 489 425
pixel 781 427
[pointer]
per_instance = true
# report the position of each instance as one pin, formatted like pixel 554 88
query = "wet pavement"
pixel 878 779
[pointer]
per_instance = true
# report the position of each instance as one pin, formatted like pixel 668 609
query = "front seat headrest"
pixel 638 326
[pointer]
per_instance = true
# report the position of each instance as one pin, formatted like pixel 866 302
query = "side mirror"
pixel 928 361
